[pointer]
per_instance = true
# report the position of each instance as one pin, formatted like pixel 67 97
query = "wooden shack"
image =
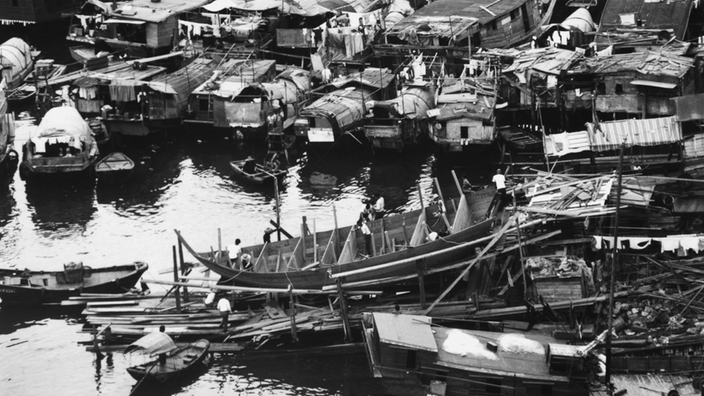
pixel 457 26
pixel 413 357
pixel 232 97
pixel 641 83
pixel 144 27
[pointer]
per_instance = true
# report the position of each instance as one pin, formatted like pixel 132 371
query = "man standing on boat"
pixel 362 225
pixel 378 206
pixel 225 309
pixel 500 181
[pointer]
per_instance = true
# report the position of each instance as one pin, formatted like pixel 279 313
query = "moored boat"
pixel 62 144
pixel 16 63
pixel 8 156
pixel 519 139
pixel 114 168
pixel 175 362
pixel 26 287
pixel 250 171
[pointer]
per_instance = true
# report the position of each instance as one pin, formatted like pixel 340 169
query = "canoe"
pixel 177 362
pixel 27 287
pixel 114 168
pixel 260 175
pixel 400 242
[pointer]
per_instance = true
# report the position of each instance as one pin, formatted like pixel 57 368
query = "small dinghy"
pixel 252 172
pixel 114 168
pixel 172 362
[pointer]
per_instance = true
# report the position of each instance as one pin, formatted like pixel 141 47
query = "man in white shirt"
pixel 500 181
pixel 225 309
pixel 362 225
pixel 378 206
pixel 234 251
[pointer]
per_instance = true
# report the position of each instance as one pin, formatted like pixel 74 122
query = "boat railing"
pixel 463 217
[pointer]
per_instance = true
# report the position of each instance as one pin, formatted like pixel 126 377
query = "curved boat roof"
pixel 62 121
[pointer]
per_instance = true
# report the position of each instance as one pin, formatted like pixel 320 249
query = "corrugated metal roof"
pixel 559 144
pixel 347 106
pixel 371 77
pixel 660 15
pixel 547 60
pixel 408 331
pixel 237 74
pixel 646 63
pixel 647 132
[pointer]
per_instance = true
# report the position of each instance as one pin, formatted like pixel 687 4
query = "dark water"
pixel 184 182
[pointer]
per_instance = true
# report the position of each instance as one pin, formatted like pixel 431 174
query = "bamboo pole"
pixel 343 311
pixel 292 308
pixel 315 243
pixel 178 293
pixel 183 269
pixel 442 204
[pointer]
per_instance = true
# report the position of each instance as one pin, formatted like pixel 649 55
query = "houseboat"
pixel 159 103
pixel 413 356
pixel 341 111
pixel 62 144
pixel 230 98
pixel 142 28
pixel 17 62
pixel 455 27
pixel 401 122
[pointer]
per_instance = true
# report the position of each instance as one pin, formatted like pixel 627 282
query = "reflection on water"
pixel 60 207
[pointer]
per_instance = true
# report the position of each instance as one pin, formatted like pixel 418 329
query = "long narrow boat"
pixel 400 243
pixel 27 287
pixel 176 362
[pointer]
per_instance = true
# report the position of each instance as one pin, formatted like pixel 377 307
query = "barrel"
pixel 208 40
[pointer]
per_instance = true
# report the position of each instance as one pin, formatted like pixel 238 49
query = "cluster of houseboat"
pixel 569 87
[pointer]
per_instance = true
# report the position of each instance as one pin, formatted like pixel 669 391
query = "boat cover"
pixel 15 53
pixel 63 121
pixel 152 344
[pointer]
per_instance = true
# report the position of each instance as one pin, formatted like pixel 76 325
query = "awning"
pixel 125 21
pixel 153 344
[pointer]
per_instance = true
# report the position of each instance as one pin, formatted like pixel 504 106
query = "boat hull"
pixel 176 365
pixel 13 291
pixel 258 177
pixel 383 270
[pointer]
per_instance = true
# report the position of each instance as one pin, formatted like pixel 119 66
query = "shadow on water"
pixel 13 319
pixel 59 205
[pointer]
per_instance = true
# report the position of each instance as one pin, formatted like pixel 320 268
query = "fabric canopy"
pixel 62 121
pixel 153 344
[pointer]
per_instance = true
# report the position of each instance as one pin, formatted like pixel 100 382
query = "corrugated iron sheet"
pixel 346 106
pixel 559 144
pixel 646 63
pixel 647 132
pixel 415 101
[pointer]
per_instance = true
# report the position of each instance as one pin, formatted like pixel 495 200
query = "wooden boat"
pixel 520 140
pixel 252 172
pixel 403 120
pixel 62 144
pixel 16 62
pixel 399 242
pixel 114 168
pixel 176 362
pixel 27 287
pixel 413 357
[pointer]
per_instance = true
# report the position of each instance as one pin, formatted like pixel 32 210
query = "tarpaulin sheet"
pixel 63 121
pixel 346 106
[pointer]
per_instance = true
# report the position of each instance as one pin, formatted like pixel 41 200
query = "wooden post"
pixel 178 292
pixel 183 269
pixel 383 237
pixel 304 233
pixel 315 244
pixel 343 310
pixel 292 309
pixel 337 232
pixel 278 209
pixel 403 226
pixel 218 259
pixel 420 267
